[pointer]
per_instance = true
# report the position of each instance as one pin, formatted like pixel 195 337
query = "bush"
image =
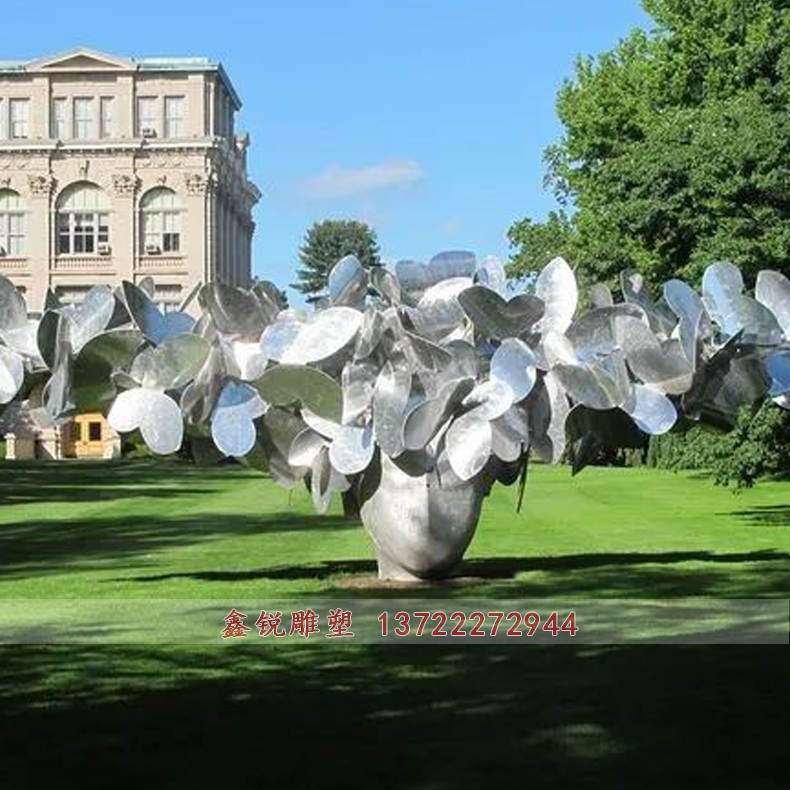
pixel 758 446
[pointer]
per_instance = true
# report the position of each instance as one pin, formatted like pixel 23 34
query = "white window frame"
pixel 83 223
pixel 60 113
pixel 18 128
pixel 84 127
pixel 13 225
pixel 147 121
pixel 174 125
pixel 106 117
pixel 161 223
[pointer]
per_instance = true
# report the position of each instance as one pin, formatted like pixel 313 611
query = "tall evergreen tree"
pixel 325 244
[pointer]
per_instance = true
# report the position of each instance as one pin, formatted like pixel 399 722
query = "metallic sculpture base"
pixel 421 528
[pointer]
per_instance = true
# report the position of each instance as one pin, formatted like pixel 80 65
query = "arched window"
pixel 83 220
pixel 12 224
pixel 161 221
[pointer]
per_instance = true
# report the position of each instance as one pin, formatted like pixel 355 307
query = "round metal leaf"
pixel 468 444
pixel 323 335
pixel 515 364
pixel 352 449
pixel 154 413
pixel 12 374
pixel 283 385
pixel 556 286
pixel 652 411
pixel 232 423
pixel 348 283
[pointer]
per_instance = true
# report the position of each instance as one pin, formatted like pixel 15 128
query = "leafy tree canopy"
pixel 676 150
pixel 325 244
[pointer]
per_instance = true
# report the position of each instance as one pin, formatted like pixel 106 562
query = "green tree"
pixel 675 154
pixel 675 151
pixel 325 244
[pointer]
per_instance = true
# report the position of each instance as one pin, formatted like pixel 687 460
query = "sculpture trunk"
pixel 421 525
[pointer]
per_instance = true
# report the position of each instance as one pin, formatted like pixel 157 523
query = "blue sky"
pixel 425 118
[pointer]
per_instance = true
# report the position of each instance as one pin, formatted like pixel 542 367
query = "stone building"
pixel 113 168
pixel 118 169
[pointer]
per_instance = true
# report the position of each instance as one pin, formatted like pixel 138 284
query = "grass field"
pixel 327 715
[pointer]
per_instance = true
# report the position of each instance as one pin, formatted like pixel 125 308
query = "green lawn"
pixel 328 715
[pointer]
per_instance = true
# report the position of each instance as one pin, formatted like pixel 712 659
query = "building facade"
pixel 118 169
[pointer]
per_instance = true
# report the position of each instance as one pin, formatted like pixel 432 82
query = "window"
pixel 146 115
pixel 17 118
pixel 167 297
pixel 59 131
pixel 71 295
pixel 174 116
pixel 83 220
pixel 84 119
pixel 107 120
pixel 12 224
pixel 94 431
pixel 161 221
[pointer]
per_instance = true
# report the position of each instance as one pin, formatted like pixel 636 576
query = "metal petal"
pixel 171 365
pixel 773 291
pixel 491 273
pixel 91 317
pixel 154 413
pixel 249 358
pixel 369 333
pixel 468 444
pixel 652 411
pixel 510 435
pixel 556 286
pixel 156 327
pixel 358 383
pixel 453 263
pixel 97 363
pixel 424 420
pixel 595 333
pixel 232 423
pixel 352 449
pixel 490 399
pixel 386 284
pixel 278 338
pixel 663 367
pixel 389 403
pixel 12 374
pixel 590 386
pixel 323 335
pixel 327 428
pixel 547 411
pixel 601 295
pixel 320 479
pixel 13 310
pixel 439 310
pixel 493 317
pixel 283 385
pixel 305 448
pixel 233 311
pixel 348 283
pixel 778 367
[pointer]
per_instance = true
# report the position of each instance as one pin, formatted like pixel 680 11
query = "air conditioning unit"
pixel 153 249
pixel 104 248
pixel 148 131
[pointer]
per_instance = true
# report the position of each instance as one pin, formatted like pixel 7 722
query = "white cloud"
pixel 338 181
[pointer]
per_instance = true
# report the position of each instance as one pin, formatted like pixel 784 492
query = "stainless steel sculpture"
pixel 415 388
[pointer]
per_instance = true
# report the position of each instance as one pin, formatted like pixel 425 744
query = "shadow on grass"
pixel 441 717
pixel 31 482
pixel 641 575
pixel 45 546
pixel 765 516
